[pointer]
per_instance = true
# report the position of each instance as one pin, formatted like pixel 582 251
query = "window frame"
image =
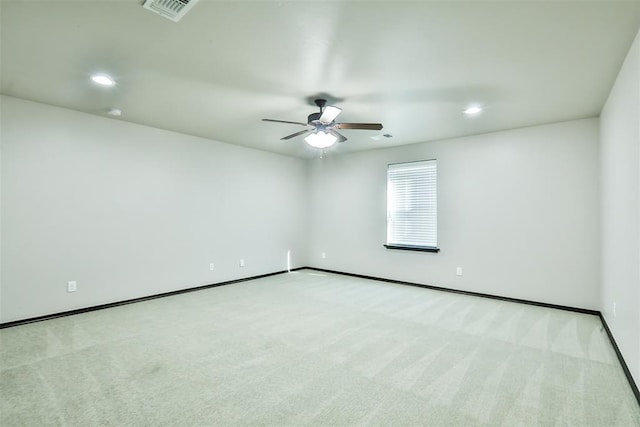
pixel 410 247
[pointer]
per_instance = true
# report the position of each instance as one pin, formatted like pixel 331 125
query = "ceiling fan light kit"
pixel 323 127
pixel 320 139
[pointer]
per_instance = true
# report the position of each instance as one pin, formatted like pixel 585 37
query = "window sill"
pixel 414 248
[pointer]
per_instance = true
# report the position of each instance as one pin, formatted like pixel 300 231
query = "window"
pixel 412 206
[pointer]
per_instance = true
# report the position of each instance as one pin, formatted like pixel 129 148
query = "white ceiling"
pixel 412 66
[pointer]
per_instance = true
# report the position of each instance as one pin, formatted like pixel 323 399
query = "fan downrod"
pixel 320 103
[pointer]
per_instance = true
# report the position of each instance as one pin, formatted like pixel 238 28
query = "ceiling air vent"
pixel 171 9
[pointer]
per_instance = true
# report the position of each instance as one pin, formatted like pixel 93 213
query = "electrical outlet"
pixel 212 267
pixel 242 263
pixel 458 271
pixel 72 286
pixel 324 255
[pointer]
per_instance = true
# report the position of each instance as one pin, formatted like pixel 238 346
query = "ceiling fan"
pixel 322 126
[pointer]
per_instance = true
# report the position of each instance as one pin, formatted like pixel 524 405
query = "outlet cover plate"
pixel 72 286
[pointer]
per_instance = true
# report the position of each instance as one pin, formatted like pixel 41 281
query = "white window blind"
pixel 412 204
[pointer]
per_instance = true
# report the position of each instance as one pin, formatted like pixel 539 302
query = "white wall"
pixel 129 211
pixel 518 210
pixel 620 157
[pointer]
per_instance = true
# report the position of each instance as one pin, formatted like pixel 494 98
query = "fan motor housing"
pixel 313 117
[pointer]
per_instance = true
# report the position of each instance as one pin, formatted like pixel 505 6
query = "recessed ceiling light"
pixel 114 112
pixel 103 80
pixel 472 110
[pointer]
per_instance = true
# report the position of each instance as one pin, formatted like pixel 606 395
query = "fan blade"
pixel 293 135
pixel 367 126
pixel 329 114
pixel 284 121
pixel 341 138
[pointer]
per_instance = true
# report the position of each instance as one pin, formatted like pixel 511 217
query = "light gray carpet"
pixel 315 349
